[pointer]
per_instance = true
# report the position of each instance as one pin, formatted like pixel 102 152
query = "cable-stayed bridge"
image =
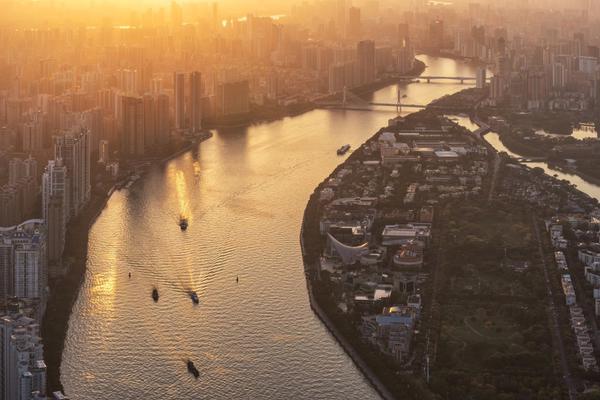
pixel 350 101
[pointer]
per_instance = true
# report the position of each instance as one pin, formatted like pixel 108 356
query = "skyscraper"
pixel 149 121
pixel 365 60
pixel 132 125
pixel 436 34
pixel 179 86
pixel 55 206
pixel 196 101
pixel 24 255
pixel 354 26
pixel 163 126
pixel 74 149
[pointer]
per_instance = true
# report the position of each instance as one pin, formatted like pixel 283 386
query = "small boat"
pixel 194 297
pixel 192 369
pixel 343 150
pixel 237 279
pixel 155 294
pixel 183 223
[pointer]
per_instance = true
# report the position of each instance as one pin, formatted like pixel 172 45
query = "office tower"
pixel 24 253
pixel 93 119
pixel 481 77
pixel 497 89
pixel 405 59
pixel 163 126
pixel 233 98
pixel 55 206
pixel 149 127
pixel 179 87
pixel 365 60
pixel 103 152
pixel 196 101
pixel 403 35
pixel 132 126
pixel 23 370
pixel 74 149
pixel 436 34
pixel 341 10
pixel 559 75
pixel 354 27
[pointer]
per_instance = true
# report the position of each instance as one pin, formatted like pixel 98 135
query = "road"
pixel 553 319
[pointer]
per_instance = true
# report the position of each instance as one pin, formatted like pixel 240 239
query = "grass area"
pixel 490 279
pixel 475 335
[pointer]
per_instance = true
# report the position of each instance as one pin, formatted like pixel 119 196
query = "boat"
pixel 192 369
pixel 155 294
pixel 404 96
pixel 183 223
pixel 194 297
pixel 343 150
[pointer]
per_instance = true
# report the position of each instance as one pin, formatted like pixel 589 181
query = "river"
pixel 493 138
pixel 244 192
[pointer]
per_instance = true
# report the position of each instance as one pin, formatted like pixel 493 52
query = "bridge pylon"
pixel 399 101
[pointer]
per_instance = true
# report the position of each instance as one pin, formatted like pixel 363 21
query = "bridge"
pixel 350 101
pixel 430 78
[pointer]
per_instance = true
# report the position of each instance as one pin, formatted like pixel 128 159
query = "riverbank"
pixel 266 114
pixel 65 289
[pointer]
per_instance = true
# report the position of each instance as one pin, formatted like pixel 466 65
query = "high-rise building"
pixel 22 366
pixel 481 77
pixel 103 152
pixel 233 98
pixel 196 101
pixel 163 125
pixel 179 87
pixel 132 126
pixel 149 128
pixel 74 149
pixel 354 26
pixel 436 34
pixel 403 35
pixel 24 255
pixel 365 60
pixel 55 206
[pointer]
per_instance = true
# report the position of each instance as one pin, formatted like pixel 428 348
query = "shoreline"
pixel 308 106
pixel 65 289
pixel 560 167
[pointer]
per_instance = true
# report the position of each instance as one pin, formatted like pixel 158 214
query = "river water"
pixel 244 192
pixel 493 138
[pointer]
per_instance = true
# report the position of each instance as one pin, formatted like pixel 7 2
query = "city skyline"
pixel 361 199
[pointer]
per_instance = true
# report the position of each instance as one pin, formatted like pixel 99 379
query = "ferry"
pixel 183 223
pixel 343 150
pixel 155 294
pixel 194 297
pixel 192 369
